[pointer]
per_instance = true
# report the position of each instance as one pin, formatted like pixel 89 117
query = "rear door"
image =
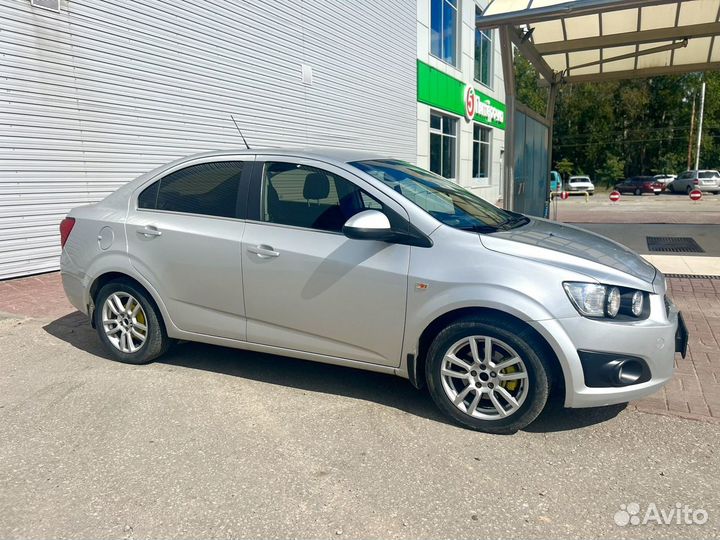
pixel 307 286
pixel 184 235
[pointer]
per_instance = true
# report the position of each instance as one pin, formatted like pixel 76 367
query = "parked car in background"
pixel 555 181
pixel 639 185
pixel 664 179
pixel 707 180
pixel 581 183
pixel 353 259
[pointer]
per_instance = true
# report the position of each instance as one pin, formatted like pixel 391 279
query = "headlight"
pixel 612 304
pixel 638 301
pixel 605 301
pixel 588 298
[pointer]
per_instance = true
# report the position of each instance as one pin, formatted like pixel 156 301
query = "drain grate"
pixel 673 244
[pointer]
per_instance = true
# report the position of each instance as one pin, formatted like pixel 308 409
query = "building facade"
pixel 460 136
pixel 96 93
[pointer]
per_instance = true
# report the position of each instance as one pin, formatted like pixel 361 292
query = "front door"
pixel 307 286
pixel 184 237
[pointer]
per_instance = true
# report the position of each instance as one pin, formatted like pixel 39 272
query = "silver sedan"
pixel 373 263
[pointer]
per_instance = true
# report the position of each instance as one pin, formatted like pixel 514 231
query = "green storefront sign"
pixel 442 91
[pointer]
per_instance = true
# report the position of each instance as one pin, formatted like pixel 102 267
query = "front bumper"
pixel 653 340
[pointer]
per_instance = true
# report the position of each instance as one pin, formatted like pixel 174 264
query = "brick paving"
pixel 39 297
pixel 693 393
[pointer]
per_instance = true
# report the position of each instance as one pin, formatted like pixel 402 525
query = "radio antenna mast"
pixel 240 132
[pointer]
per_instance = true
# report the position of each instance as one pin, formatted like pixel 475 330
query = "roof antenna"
pixel 240 132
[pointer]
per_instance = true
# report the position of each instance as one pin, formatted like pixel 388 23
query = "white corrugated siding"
pixel 103 91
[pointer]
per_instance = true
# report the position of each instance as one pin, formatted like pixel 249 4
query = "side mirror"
pixel 368 225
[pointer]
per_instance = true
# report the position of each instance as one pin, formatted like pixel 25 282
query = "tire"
pixel 638 192
pixel 122 336
pixel 671 189
pixel 529 387
pixel 688 190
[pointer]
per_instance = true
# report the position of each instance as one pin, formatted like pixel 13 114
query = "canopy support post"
pixel 509 151
pixel 550 117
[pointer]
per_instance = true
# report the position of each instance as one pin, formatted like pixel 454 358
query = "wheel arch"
pixel 547 354
pixel 108 277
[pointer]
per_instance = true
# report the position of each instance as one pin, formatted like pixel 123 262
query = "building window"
pixel 443 144
pixel 443 30
pixel 483 53
pixel 481 151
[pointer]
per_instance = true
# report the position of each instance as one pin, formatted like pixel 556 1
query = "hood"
pixel 568 240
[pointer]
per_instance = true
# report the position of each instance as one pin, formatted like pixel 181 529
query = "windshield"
pixel 444 200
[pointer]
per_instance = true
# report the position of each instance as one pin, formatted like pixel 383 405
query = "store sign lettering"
pixel 475 105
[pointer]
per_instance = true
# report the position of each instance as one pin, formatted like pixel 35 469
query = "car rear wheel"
pixel 688 190
pixel 486 377
pixel 638 192
pixel 129 323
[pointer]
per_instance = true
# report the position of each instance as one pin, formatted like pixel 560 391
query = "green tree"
pixel 527 85
pixel 564 167
pixel 611 172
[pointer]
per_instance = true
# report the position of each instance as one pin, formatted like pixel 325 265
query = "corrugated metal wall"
pixel 103 91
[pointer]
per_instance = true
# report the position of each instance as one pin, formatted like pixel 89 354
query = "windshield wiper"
pixel 480 228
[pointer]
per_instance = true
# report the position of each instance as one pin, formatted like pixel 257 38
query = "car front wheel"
pixel 638 192
pixel 129 323
pixel 487 377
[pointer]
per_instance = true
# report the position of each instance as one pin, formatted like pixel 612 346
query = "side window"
pixel 209 189
pixel 304 196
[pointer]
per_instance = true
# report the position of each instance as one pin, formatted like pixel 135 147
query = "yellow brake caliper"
pixel 511 386
pixel 141 317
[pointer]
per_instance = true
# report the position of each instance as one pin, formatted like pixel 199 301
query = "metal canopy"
pixel 593 40
pixel 598 40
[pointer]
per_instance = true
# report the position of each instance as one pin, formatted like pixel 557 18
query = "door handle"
pixel 149 231
pixel 263 251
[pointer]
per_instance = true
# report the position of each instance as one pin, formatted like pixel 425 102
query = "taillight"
pixel 696 182
pixel 66 225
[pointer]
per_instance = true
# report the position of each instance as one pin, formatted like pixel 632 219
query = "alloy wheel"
pixel 484 377
pixel 124 322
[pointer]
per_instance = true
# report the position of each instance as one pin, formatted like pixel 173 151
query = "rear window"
pixel 209 189
pixel 709 174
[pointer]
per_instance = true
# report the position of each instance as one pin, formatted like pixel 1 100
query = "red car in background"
pixel 639 185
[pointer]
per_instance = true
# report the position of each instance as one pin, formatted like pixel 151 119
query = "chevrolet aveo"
pixel 362 261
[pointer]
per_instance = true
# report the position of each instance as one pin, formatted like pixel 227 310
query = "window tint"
pixel 148 198
pixel 208 188
pixel 304 196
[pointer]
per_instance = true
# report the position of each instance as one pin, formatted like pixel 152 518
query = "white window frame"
pixel 483 180
pixel 456 33
pixel 435 131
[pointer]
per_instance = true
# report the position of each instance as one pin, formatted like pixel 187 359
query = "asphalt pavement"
pixel 214 442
